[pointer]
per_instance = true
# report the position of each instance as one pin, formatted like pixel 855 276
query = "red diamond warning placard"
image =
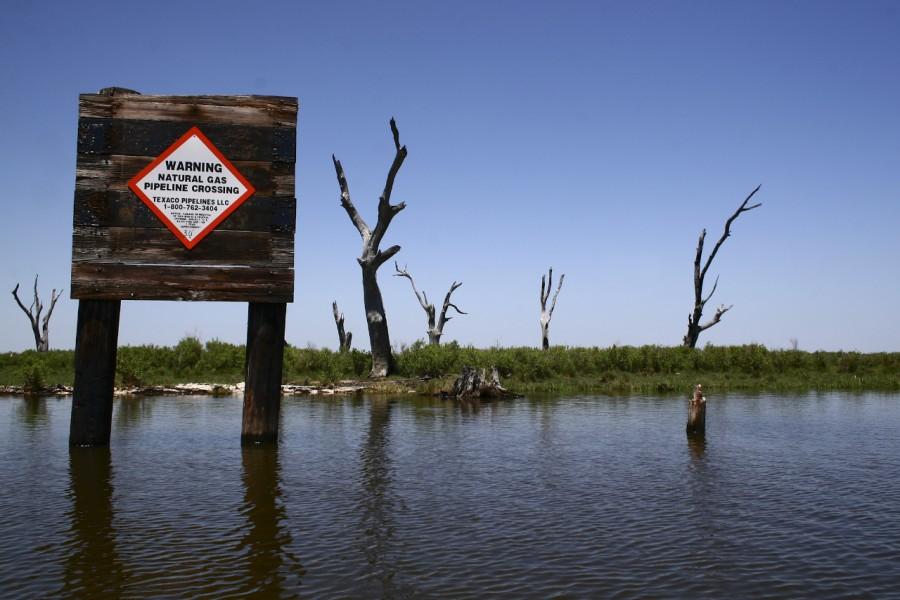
pixel 191 187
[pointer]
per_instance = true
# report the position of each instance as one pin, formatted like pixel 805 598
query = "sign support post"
pixel 96 342
pixel 264 360
pixel 182 198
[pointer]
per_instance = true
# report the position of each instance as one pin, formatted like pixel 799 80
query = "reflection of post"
pixel 266 539
pixel 92 568
pixel 696 423
pixel 263 363
pixel 697 446
pixel 376 505
pixel 96 337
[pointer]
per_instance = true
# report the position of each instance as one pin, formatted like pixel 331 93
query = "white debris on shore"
pixel 343 388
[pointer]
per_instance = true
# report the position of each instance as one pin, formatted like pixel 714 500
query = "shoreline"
pixel 616 384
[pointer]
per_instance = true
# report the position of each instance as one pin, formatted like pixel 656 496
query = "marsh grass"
pixel 613 369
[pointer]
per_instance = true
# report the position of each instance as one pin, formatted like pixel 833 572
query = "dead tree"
pixel 372 257
pixel 435 322
pixel 40 329
pixel 479 383
pixel 344 338
pixel 546 315
pixel 694 327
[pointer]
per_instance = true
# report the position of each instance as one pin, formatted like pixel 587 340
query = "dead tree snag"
pixel 41 329
pixel 694 326
pixel 696 423
pixel 344 337
pixel 372 257
pixel 546 315
pixel 436 322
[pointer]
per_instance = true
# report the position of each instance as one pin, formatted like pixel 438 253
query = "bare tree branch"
pixel 436 322
pixel 717 317
pixel 27 311
pixel 727 233
pixel 344 338
pixel 443 318
pixel 556 295
pixel 546 315
pixel 33 312
pixel 386 210
pixel 403 273
pixel 694 327
pixel 347 203
pixel 713 291
pixel 383 257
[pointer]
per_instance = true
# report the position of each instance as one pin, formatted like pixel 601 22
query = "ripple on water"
pixel 538 498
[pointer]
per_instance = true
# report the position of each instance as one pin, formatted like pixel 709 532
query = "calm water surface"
pixel 574 497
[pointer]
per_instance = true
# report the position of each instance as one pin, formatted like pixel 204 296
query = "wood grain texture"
pixel 94 208
pixel 112 172
pixel 174 282
pixel 136 246
pixel 263 365
pixel 261 111
pixel 151 138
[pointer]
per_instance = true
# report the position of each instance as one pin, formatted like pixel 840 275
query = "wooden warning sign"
pixel 213 222
pixel 182 198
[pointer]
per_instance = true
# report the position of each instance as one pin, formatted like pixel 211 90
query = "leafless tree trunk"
pixel 435 322
pixel 372 257
pixel 41 329
pixel 546 315
pixel 694 326
pixel 344 338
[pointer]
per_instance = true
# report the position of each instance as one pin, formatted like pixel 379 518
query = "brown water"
pixel 575 497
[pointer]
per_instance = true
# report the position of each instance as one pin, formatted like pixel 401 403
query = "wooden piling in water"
pixel 263 367
pixel 696 423
pixel 96 342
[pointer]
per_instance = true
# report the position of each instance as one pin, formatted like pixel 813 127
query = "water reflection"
pixel 267 539
pixel 32 411
pixel 377 504
pixel 92 566
pixel 697 446
pixel 131 411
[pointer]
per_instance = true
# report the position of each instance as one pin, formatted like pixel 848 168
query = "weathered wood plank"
pixel 123 209
pixel 166 282
pixel 260 111
pixel 101 172
pixel 133 245
pixel 151 138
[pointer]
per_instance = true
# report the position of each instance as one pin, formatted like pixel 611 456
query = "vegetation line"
pixel 563 369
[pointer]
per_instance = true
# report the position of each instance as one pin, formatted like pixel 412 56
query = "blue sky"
pixel 596 137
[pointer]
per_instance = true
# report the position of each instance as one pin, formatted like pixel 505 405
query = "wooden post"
pixel 95 372
pixel 263 364
pixel 696 423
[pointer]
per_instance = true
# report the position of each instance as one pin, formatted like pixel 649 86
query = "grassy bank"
pixel 614 370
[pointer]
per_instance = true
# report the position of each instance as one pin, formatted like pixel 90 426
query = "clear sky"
pixel 596 137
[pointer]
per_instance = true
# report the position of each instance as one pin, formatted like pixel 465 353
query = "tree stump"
pixel 696 423
pixel 479 383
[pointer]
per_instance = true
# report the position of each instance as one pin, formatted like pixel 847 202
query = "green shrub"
pixel 33 375
pixel 130 371
pixel 188 353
